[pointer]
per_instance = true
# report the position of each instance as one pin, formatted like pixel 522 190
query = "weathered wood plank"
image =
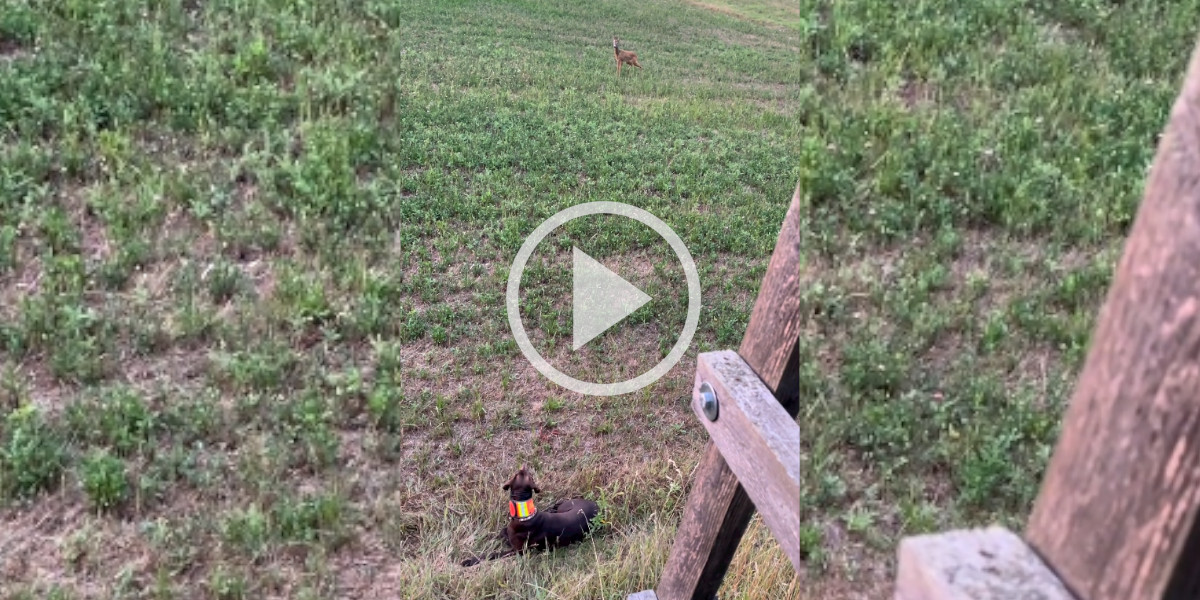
pixel 717 514
pixel 771 342
pixel 718 509
pixel 759 441
pixel 1116 516
pixel 973 564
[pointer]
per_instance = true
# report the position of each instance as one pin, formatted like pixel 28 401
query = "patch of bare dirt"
pixel 870 581
pixel 95 245
pixel 261 276
pixel 730 11
pixel 918 94
pixel 31 537
pixel 25 279
pixel 774 95
pixel 981 255
pixel 57 540
pixel 154 280
pixel 181 235
pixel 21 282
pixel 175 367
pixel 774 88
pixel 738 38
pixel 45 391
pixel 12 50
pixel 1057 34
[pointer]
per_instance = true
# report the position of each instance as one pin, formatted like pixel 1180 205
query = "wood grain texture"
pixel 1116 514
pixel 973 564
pixel 718 509
pixel 717 514
pixel 772 340
pixel 759 441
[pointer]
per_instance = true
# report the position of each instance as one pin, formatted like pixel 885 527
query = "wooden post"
pixel 973 564
pixel 1116 516
pixel 718 509
pixel 758 440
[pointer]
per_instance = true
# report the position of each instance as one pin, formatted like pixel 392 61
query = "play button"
pixel 599 299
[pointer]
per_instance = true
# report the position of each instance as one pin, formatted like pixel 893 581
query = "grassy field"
pixel 253 257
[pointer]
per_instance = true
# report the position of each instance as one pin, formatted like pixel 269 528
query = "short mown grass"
pixel 253 258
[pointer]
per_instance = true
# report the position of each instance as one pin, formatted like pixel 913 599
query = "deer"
pixel 623 56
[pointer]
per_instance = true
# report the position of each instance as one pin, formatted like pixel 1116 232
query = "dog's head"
pixel 522 486
pixel 614 41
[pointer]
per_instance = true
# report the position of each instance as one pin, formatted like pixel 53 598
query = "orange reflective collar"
pixel 521 510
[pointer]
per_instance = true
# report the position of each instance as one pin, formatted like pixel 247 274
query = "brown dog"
pixel 564 523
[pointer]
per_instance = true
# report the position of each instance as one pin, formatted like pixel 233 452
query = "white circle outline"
pixel 512 298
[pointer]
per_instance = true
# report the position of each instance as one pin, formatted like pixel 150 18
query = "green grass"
pixel 969 178
pixel 253 258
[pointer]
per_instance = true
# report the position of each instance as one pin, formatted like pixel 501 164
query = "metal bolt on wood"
pixel 708 401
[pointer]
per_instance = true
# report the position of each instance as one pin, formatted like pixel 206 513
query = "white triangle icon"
pixel 600 298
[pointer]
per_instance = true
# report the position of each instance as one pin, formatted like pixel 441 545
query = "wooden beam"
pixel 771 344
pixel 1116 516
pixel 715 518
pixel 718 509
pixel 973 564
pixel 759 441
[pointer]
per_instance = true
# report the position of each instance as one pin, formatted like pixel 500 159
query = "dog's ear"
pixel 537 490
